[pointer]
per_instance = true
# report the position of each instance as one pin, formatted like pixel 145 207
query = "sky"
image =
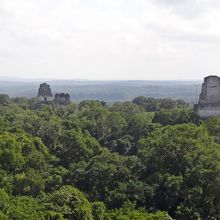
pixel 110 39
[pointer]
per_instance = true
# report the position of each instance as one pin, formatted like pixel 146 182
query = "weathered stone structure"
pixel 62 99
pixel 209 99
pixel 45 96
pixel 44 93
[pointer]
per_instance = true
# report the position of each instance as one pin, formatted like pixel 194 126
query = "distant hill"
pixel 109 91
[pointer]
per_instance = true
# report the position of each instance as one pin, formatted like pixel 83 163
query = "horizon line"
pixel 11 79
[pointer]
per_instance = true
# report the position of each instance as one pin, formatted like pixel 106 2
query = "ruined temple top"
pixel 62 99
pixel 210 92
pixel 44 90
pixel 62 95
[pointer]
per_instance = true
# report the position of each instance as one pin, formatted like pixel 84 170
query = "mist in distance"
pixel 108 91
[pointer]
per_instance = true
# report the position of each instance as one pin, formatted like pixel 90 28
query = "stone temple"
pixel 45 96
pixel 209 99
pixel 62 99
pixel 44 93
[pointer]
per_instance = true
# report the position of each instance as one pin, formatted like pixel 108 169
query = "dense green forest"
pixel 148 159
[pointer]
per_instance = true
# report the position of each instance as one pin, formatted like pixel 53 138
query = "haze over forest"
pixel 108 91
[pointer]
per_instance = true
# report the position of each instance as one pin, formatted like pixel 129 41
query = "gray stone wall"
pixel 62 99
pixel 210 90
pixel 209 100
pixel 44 93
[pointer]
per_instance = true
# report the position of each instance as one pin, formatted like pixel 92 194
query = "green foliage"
pixel 182 162
pixel 98 210
pixel 213 126
pixel 139 124
pixel 76 146
pixel 29 183
pixel 20 207
pixel 128 212
pixel 3 125
pixel 126 108
pixel 128 160
pixel 109 177
pixel 152 104
pixel 174 116
pixel 71 203
pixel 4 201
pixel 25 208
pixel 3 216
pixel 18 151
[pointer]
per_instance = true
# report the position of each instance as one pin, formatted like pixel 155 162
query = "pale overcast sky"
pixel 110 39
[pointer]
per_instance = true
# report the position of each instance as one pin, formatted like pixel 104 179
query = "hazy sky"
pixel 110 39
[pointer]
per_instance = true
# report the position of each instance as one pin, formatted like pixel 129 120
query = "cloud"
pixel 104 39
